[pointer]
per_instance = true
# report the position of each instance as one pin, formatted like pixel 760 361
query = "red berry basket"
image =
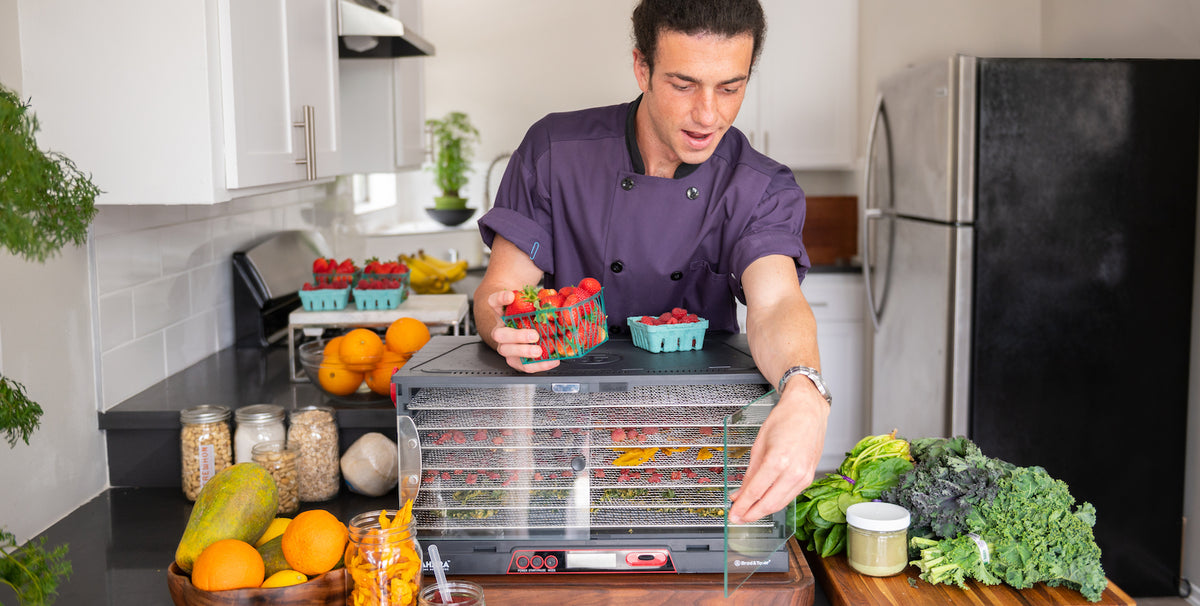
pixel 566 332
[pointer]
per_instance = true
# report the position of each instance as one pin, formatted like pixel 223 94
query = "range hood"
pixel 364 32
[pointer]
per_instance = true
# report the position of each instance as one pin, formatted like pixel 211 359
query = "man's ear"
pixel 641 70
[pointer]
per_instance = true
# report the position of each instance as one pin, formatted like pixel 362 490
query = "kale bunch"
pixel 1029 532
pixel 949 481
pixel 872 466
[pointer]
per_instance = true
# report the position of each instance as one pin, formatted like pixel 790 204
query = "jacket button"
pixel 693 193
pixel 626 184
pixel 617 266
pixel 677 276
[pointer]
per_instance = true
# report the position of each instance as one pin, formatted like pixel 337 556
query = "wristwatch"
pixel 813 374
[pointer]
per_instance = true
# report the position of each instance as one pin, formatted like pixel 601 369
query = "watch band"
pixel 813 375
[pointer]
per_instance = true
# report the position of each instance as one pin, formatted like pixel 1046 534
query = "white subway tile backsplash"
pixel 132 367
pixel 185 246
pixel 191 340
pixel 116 319
pixel 165 281
pixel 125 260
pixel 160 303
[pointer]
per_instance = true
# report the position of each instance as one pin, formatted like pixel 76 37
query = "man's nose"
pixel 704 111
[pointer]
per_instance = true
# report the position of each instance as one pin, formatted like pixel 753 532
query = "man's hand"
pixel 785 455
pixel 515 343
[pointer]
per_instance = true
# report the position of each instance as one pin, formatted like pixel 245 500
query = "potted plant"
pixel 45 203
pixel 454 139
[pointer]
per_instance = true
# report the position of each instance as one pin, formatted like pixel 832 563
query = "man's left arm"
pixel 782 333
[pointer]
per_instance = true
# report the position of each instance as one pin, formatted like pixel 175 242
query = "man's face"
pixel 692 97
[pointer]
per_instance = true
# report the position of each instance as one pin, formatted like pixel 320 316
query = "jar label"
pixel 208 463
pixel 983 548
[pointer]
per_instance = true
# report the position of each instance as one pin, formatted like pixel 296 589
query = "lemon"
pixel 284 578
pixel 275 529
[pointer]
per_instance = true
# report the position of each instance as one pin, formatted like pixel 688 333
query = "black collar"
pixel 635 155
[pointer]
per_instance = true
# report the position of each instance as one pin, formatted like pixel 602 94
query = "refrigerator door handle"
pixel 870 213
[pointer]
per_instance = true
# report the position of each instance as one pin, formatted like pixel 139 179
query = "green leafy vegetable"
pixel 1034 533
pixel 950 479
pixel 872 466
pixel 31 571
pixel 19 415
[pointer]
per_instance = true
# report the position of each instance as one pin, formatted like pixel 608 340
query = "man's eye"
pixel 681 87
pixel 731 91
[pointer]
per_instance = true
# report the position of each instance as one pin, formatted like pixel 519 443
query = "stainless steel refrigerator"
pixel 1029 246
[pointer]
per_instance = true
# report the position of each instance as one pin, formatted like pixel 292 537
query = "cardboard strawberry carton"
pixel 570 321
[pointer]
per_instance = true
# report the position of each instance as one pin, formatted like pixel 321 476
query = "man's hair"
pixel 726 18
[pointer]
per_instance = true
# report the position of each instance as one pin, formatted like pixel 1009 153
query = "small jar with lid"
pixel 205 446
pixel 462 593
pixel 313 432
pixel 383 558
pixel 280 459
pixel 877 538
pixel 256 423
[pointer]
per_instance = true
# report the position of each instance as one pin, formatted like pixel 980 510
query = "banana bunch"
pixel 429 275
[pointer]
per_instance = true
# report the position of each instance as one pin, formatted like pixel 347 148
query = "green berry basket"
pixel 667 337
pixel 380 298
pixel 325 299
pixel 566 332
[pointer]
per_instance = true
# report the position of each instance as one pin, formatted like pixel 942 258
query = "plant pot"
pixel 449 203
pixel 450 216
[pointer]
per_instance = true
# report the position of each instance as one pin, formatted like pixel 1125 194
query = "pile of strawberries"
pixel 384 268
pixel 331 274
pixel 677 315
pixel 570 320
pixel 386 275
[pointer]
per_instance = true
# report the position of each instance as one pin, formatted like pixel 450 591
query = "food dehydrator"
pixel 616 462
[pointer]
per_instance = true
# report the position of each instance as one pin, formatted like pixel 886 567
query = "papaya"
pixel 272 555
pixel 237 503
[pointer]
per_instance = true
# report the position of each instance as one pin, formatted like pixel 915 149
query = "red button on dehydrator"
pixel 646 559
pixel 522 562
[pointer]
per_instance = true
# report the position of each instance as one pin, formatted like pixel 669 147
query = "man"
pixel 668 207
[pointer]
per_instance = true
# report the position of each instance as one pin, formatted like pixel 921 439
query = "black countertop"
pixel 121 542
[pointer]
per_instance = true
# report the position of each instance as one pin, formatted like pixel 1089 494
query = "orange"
pixel 361 349
pixel 331 349
pixel 380 378
pixel 314 542
pixel 228 564
pixel 338 380
pixel 407 335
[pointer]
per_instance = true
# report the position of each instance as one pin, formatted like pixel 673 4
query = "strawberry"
pixel 320 266
pixel 525 301
pixel 345 267
pixel 373 266
pixel 589 285
pixel 567 290
pixel 572 297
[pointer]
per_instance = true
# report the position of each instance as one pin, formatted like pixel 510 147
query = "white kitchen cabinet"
pixel 836 300
pixel 185 103
pixel 801 104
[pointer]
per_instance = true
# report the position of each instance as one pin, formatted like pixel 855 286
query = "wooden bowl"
pixel 329 588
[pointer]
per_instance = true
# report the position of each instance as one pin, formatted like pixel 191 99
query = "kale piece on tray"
pixel 949 480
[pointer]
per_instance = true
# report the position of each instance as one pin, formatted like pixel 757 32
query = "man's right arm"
pixel 508 269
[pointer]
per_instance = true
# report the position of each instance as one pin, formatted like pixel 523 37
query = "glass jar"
pixel 256 423
pixel 462 593
pixel 280 459
pixel 314 435
pixel 384 560
pixel 877 538
pixel 204 446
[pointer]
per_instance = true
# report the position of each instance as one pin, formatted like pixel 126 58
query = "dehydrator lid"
pixel 449 361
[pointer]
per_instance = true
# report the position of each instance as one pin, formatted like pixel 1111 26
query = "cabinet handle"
pixel 310 143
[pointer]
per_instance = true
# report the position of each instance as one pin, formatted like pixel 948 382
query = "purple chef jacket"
pixel 573 199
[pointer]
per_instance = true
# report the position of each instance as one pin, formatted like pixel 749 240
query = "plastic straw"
pixel 439 574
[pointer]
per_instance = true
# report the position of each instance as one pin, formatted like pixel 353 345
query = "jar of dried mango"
pixel 383 558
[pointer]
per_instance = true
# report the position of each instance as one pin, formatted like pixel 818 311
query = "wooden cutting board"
pixel 845 587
